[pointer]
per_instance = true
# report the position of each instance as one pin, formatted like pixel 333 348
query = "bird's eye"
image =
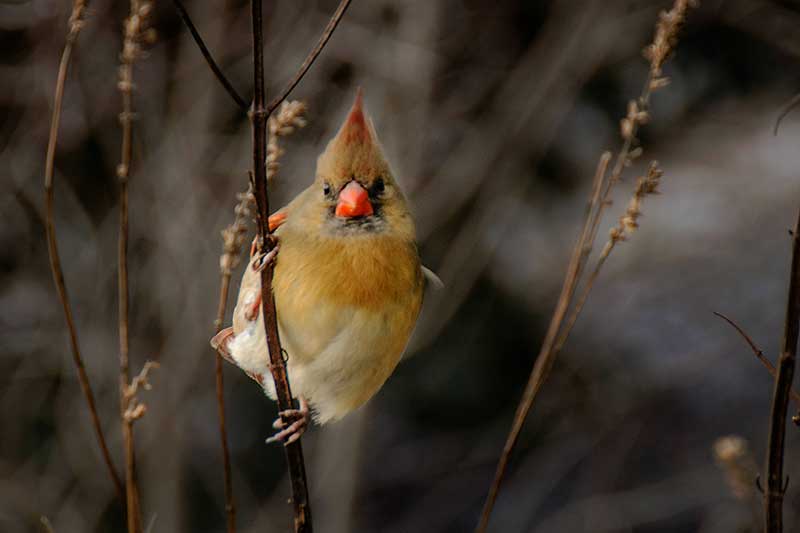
pixel 326 189
pixel 378 186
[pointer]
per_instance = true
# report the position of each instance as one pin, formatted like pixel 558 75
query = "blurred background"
pixel 493 115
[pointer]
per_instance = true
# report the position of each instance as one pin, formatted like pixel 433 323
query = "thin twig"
pixel 226 84
pixel 134 35
pixel 258 117
pixel 773 495
pixel 790 105
pixel 758 353
pixel 311 57
pixel 543 360
pixel 76 22
pixel 664 40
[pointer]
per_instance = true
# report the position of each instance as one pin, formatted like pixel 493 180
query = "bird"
pixel 348 284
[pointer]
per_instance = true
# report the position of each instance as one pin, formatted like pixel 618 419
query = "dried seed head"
pixel 733 456
pixel 666 36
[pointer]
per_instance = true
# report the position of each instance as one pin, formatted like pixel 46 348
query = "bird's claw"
pixel 291 432
pixel 262 260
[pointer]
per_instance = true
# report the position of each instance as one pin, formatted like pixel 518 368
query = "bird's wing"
pixel 432 279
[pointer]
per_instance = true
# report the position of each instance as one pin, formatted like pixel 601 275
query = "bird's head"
pixel 355 182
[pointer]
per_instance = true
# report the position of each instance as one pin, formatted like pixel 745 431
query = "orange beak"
pixel 353 201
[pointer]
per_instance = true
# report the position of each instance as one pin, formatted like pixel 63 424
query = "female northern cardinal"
pixel 348 283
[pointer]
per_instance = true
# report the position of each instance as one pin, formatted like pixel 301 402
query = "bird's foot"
pixel 291 431
pixel 261 260
pixel 252 307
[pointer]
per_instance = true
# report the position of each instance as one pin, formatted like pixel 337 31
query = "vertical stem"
pixel 258 117
pixel 773 496
pixel 132 28
pixel 75 24
pixel 230 509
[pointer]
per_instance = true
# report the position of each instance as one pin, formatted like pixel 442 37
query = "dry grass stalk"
pixel 47 526
pixel 290 117
pixel 136 34
pixel 76 21
pixel 775 489
pixel 664 40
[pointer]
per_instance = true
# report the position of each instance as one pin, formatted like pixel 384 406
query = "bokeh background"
pixel 493 114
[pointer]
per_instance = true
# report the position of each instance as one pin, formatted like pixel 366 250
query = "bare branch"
pixel 311 57
pixel 773 495
pixel 258 117
pixel 787 108
pixel 226 84
pixel 761 357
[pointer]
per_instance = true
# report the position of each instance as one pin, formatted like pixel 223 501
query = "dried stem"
pixel 543 361
pixel 665 38
pixel 76 22
pixel 233 239
pixel 627 224
pixel 135 34
pixel 761 357
pixel 787 108
pixel 258 117
pixel 301 71
pixel 226 84
pixel 311 57
pixel 773 495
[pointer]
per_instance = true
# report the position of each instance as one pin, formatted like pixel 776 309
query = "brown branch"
pixel 664 40
pixel 758 353
pixel 76 22
pixel 773 495
pixel 311 57
pixel 134 35
pixel 545 360
pixel 787 108
pixel 226 84
pixel 258 117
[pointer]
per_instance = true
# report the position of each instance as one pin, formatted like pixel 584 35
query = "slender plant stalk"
pixel 773 495
pixel 759 354
pixel 258 117
pixel 232 241
pixel 134 35
pixel 230 507
pixel 544 360
pixel 76 22
pixel 664 40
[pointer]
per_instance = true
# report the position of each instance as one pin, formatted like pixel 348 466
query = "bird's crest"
pixel 355 149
